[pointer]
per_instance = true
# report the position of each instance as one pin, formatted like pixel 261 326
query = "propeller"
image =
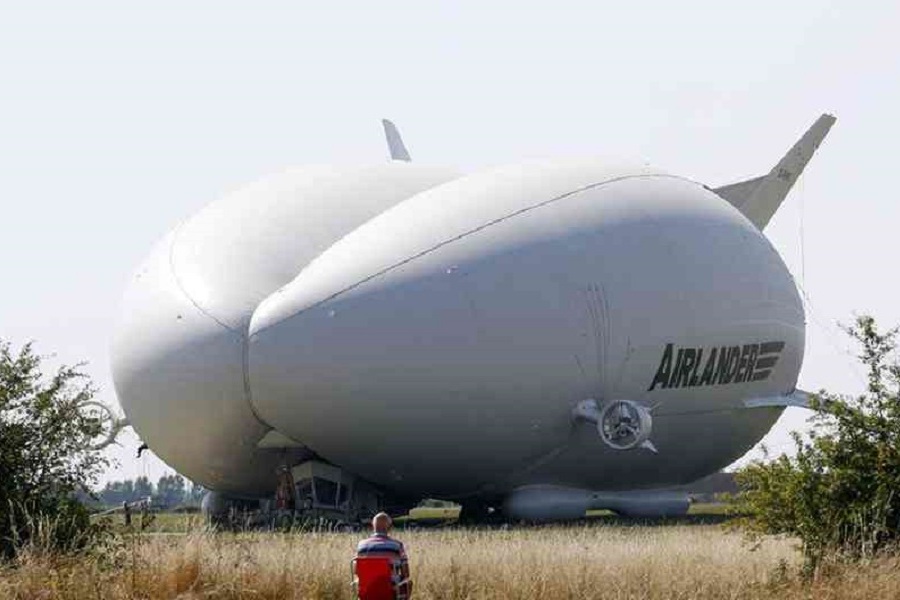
pixel 621 424
pixel 110 424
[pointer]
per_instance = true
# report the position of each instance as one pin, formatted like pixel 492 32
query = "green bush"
pixel 46 454
pixel 840 493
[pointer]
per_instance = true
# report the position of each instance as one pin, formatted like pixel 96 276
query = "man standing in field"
pixel 380 544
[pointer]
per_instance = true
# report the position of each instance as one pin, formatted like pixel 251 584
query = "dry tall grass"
pixel 594 561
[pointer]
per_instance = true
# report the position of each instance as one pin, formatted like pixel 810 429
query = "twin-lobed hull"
pixel 432 333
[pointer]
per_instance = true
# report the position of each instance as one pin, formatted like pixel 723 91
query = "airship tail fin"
pixel 797 398
pixel 760 197
pixel 394 141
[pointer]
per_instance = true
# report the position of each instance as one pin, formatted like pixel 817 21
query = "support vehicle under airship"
pixel 543 337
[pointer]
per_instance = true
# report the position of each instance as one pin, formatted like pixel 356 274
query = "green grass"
pixel 168 522
pixel 709 509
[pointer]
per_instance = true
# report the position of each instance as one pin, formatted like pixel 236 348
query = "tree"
pixel 195 494
pixel 170 491
pixel 142 488
pixel 117 492
pixel 840 493
pixel 46 453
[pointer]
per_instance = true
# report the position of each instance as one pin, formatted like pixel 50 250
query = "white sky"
pixel 118 119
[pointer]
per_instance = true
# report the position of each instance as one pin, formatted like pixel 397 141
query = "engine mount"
pixel 621 424
pixel 110 425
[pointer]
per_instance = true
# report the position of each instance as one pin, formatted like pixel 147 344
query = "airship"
pixel 534 340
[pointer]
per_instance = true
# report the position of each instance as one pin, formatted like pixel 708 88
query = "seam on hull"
pixel 243 334
pixel 465 234
pixel 181 286
pixel 245 366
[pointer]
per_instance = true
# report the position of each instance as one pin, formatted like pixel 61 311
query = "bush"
pixel 840 493
pixel 46 454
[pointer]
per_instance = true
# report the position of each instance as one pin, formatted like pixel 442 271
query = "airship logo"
pixel 695 367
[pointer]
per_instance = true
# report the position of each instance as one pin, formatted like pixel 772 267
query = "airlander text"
pixel 722 365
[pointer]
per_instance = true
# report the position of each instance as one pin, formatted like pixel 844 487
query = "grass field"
pixel 595 560
pixel 168 522
pixel 428 513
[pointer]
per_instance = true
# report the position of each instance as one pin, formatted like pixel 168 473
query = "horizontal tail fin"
pixel 797 398
pixel 760 197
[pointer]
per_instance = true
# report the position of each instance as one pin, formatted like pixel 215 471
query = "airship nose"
pixel 181 354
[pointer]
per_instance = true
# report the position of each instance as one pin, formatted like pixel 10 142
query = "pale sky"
pixel 119 119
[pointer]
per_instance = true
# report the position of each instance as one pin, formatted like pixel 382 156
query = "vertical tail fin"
pixel 760 197
pixel 394 141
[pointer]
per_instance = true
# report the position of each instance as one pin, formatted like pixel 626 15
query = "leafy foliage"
pixel 45 453
pixel 840 493
pixel 170 491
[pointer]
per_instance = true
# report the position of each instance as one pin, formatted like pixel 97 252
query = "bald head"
pixel 381 523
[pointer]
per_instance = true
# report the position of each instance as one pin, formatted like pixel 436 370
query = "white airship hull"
pixel 441 335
